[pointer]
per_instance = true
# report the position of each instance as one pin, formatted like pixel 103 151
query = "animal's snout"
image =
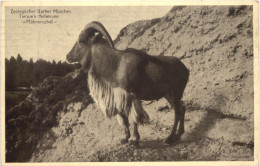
pixel 69 58
pixel 72 56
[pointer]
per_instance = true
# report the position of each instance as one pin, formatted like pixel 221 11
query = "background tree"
pixel 21 73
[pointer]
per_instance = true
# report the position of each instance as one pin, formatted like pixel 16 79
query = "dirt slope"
pixel 216 44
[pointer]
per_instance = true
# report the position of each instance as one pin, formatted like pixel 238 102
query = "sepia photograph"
pixel 131 83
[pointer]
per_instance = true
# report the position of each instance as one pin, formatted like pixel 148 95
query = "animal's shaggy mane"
pixel 113 101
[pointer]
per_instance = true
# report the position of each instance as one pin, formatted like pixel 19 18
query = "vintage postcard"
pixel 136 83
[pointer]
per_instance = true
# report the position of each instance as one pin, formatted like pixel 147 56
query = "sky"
pixel 52 41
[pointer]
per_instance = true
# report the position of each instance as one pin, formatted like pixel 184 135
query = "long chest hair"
pixel 115 100
pixel 111 100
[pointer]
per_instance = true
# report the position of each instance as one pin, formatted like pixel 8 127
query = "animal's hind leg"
pixel 179 115
pixel 181 127
pixel 123 121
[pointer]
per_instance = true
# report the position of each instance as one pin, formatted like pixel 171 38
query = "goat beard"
pixel 113 101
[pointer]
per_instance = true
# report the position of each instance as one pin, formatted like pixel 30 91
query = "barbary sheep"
pixel 119 79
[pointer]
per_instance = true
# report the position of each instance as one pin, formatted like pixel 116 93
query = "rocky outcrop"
pixel 27 122
pixel 215 43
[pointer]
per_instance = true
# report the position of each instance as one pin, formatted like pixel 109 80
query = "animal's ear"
pixel 96 38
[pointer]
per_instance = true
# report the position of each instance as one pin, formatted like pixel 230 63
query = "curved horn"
pixel 93 27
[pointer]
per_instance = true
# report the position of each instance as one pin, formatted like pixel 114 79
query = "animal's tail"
pixel 138 114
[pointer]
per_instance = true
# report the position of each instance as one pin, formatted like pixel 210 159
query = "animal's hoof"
pixel 134 143
pixel 170 140
pixel 124 141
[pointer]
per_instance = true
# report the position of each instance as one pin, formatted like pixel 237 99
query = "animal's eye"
pixel 79 44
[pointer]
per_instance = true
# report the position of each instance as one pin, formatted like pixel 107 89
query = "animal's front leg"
pixel 136 136
pixel 123 121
